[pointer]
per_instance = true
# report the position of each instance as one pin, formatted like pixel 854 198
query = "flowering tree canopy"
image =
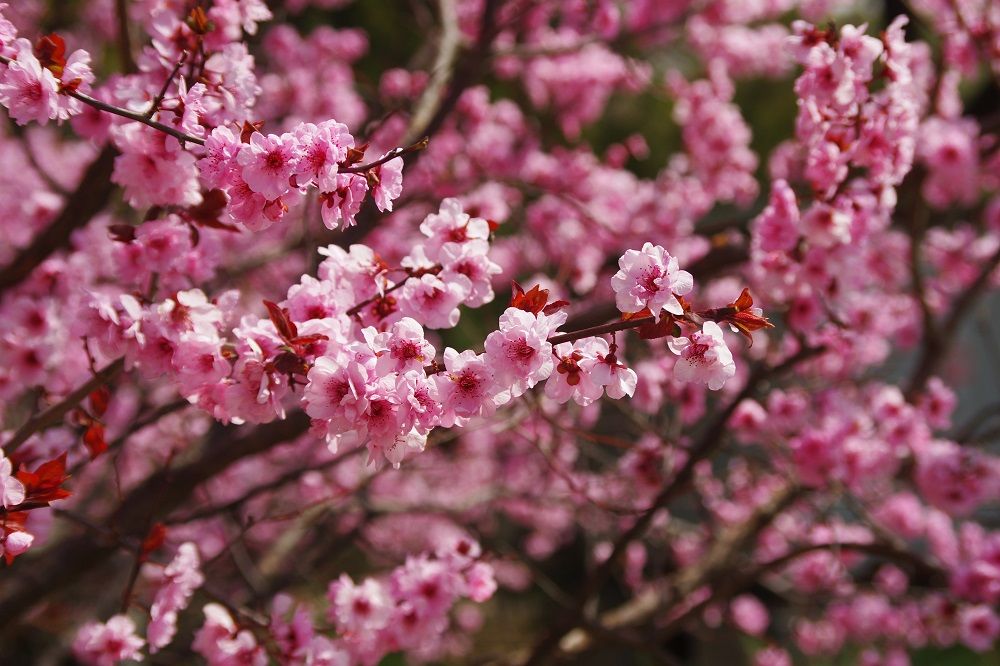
pixel 498 331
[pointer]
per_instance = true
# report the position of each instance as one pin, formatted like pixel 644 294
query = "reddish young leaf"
pixel 123 233
pixel 741 315
pixel 208 212
pixel 629 316
pixel 282 322
pixel 356 154
pixel 198 21
pixel 51 52
pixel 153 541
pixel 44 485
pixel 661 329
pixel 93 439
pixel 99 399
pixel 532 301
pixel 249 128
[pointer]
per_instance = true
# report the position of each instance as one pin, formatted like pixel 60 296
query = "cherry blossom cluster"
pixel 263 174
pixel 406 610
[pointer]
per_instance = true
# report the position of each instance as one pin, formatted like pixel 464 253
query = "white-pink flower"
pixel 222 643
pixel 109 643
pixel 29 91
pixel 650 278
pixel 322 148
pixel 401 348
pixel 467 388
pixel 219 162
pixel 268 162
pixel 11 490
pixel 340 205
pixel 573 376
pixel 704 357
pixel 358 608
pixel 519 353
pixel 388 183
pixel 433 300
pixel 617 379
pixel 180 578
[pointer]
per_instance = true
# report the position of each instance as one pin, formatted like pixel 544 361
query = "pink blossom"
pixel 268 163
pixel 573 377
pixel 650 279
pixel 180 578
pixel 252 209
pixel 434 300
pixel 358 608
pixel 11 490
pixel 340 205
pixel 772 656
pixel 401 348
pixel 29 91
pixel 219 164
pixel 519 352
pixel 109 643
pixel 470 259
pixel 388 179
pixel 777 228
pixel 979 627
pixel 15 543
pixel 467 387
pixel 222 643
pixel 480 582
pixel 749 614
pixel 826 226
pixel 153 168
pixel 704 357
pixel 608 371
pixel 451 225
pixel 322 148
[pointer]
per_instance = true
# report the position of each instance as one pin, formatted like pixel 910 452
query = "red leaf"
pixel 51 51
pixel 629 316
pixel 532 301
pixel 153 541
pixel 208 212
pixel 198 21
pixel 249 128
pixel 93 439
pixel 44 485
pixel 355 155
pixel 123 233
pixel 661 329
pixel 99 399
pixel 282 322
pixel 554 306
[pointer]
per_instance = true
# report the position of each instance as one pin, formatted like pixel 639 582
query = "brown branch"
pixel 137 117
pixel 610 327
pixel 441 73
pixel 415 147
